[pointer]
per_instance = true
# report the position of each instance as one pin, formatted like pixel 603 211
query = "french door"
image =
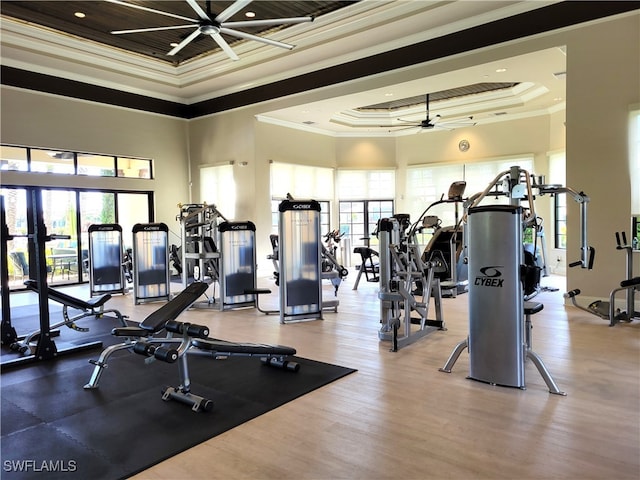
pixel 67 214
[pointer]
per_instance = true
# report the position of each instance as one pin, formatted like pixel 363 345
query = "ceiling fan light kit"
pixel 207 24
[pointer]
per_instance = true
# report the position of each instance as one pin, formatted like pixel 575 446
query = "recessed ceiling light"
pixel 250 14
pixel 388 94
pixel 174 44
pixel 79 14
pixel 501 70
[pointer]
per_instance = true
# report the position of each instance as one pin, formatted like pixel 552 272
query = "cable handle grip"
pixel 624 244
pixel 630 282
pixel 587 262
pixel 573 293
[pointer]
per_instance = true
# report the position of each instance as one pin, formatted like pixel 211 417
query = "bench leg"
pixel 360 270
pixel 101 363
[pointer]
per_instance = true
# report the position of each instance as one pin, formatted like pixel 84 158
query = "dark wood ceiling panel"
pixel 448 94
pixel 101 18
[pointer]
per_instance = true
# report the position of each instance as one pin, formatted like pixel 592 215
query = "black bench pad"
pixel 223 346
pixel 68 300
pixel 172 310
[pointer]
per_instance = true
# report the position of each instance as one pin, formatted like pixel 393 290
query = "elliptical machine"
pixel 607 309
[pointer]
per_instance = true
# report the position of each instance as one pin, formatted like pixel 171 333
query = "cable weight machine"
pixel 403 276
pixel 499 339
pixel 220 251
pixel 607 309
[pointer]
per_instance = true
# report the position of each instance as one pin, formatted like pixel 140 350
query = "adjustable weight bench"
pixel 368 265
pixel 147 330
pixel 194 342
pixel 94 307
pixel 183 339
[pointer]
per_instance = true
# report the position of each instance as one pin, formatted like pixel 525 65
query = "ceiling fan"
pixel 207 24
pixel 435 122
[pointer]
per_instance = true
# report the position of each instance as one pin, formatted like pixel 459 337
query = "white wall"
pixel 48 121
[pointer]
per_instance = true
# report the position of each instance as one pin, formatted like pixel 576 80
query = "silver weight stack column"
pixel 151 280
pixel 300 261
pixel 237 265
pixel 496 321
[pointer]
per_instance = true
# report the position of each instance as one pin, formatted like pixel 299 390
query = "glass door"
pixel 132 208
pixel 67 213
pixel 15 200
pixel 60 215
pixel 95 208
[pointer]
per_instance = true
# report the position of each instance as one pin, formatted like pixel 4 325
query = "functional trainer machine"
pixel 403 276
pixel 499 338
pixel 607 309
pixel 159 337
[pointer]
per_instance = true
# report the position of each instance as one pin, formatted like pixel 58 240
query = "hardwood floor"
pixel 398 417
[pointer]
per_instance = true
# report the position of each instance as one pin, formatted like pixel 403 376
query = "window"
pixel 50 161
pixel 365 197
pixel 634 159
pixel 359 219
pixel 13 158
pixel 133 168
pixel 366 184
pixel 558 176
pixel 305 183
pixel 96 165
pixel 27 159
pixel 426 185
pixel 218 187
pixel 68 212
pixel 301 181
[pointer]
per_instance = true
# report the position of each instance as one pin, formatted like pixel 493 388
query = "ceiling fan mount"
pixel 207 24
pixel 430 123
pixel 209 28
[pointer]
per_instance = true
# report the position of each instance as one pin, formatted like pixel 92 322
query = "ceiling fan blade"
pixel 406 128
pixel 184 43
pixel 462 122
pixel 224 46
pixel 231 10
pixel 408 121
pixel 267 22
pixel 153 29
pixel 248 36
pixel 147 9
pixel 201 13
